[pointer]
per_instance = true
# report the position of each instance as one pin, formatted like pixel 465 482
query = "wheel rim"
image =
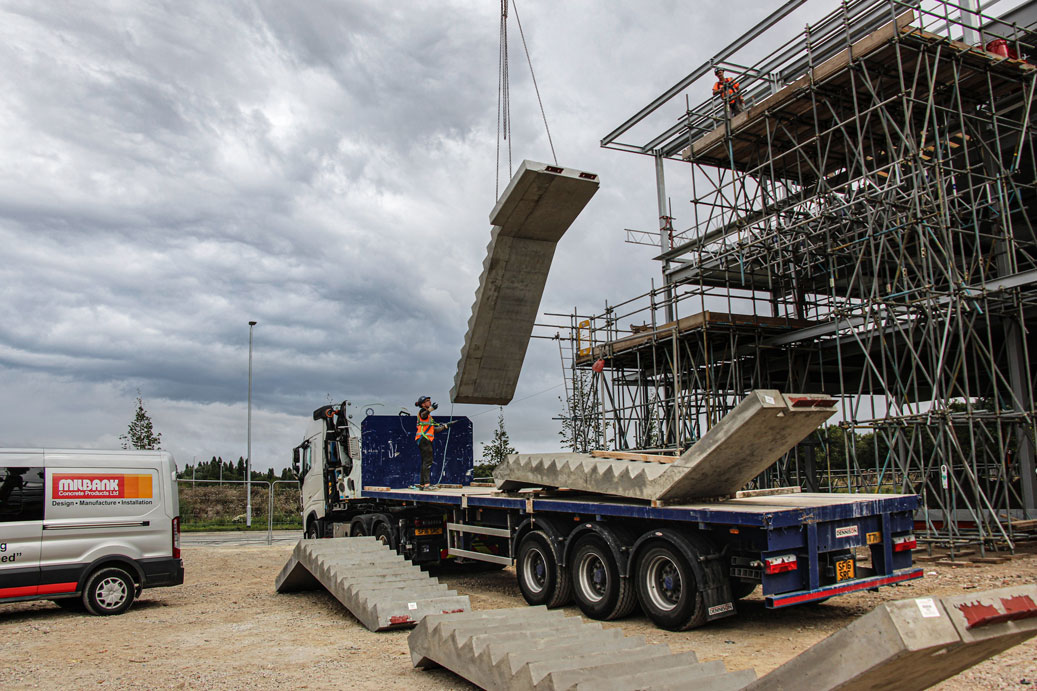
pixel 593 577
pixel 534 570
pixel 663 579
pixel 383 538
pixel 111 592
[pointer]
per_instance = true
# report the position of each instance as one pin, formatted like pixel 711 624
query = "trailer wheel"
pixel 540 579
pixel 597 586
pixel 667 589
pixel 109 591
pixel 383 533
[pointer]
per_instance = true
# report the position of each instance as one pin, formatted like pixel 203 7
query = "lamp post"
pixel 248 461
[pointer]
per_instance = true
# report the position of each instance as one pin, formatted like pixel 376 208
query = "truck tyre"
pixel 357 529
pixel 667 590
pixel 540 579
pixel 597 586
pixel 313 530
pixel 108 591
pixel 383 533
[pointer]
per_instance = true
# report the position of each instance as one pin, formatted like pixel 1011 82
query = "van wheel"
pixel 109 591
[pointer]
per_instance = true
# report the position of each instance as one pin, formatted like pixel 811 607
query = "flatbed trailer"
pixel 684 564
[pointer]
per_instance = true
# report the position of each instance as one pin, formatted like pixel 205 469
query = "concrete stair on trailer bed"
pixel 537 648
pixel 378 586
pixel 761 429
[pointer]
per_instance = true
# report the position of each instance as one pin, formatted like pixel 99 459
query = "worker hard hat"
pixel 421 399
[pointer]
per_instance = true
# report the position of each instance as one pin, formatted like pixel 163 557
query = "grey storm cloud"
pixel 171 170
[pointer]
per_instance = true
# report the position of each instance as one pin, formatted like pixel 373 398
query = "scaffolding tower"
pixel 863 229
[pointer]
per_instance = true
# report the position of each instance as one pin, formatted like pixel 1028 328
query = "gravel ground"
pixel 225 628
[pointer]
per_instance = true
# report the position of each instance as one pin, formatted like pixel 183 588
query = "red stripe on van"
pixel 55 588
pixel 20 591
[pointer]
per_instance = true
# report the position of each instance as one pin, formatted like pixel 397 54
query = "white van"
pixel 90 527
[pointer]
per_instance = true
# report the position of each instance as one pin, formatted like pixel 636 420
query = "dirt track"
pixel 225 628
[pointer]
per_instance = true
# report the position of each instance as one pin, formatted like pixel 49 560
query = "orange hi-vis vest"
pixel 728 89
pixel 426 429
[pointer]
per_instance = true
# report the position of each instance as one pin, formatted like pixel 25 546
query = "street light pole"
pixel 248 461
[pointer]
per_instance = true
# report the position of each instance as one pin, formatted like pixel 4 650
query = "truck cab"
pixel 347 448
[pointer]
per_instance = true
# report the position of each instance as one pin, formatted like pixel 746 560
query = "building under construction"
pixel 863 229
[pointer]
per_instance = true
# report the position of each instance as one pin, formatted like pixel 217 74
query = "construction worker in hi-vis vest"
pixel 729 91
pixel 426 434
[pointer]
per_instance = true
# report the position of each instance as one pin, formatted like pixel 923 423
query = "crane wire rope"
pixel 504 91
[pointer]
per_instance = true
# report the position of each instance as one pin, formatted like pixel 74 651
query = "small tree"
pixel 141 433
pixel 497 450
pixel 582 428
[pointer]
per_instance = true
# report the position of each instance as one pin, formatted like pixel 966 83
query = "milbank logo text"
pixel 95 486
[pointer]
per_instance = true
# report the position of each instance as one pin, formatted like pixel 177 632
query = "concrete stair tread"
pixel 663 680
pixel 605 648
pixel 659 659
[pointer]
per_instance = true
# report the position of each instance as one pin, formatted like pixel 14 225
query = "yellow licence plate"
pixel 844 570
pixel 428 531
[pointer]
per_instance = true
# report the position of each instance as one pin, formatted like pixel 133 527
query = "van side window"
pixel 21 494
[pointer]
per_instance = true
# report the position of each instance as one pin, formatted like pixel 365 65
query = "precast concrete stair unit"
pixel 537 648
pixel 905 645
pixel 378 586
pixel 912 644
pixel 760 430
pixel 538 206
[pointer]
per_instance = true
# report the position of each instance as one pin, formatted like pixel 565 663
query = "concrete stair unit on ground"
pixel 756 433
pixel 378 586
pixel 537 648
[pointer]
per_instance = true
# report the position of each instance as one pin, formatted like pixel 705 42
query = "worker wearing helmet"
pixel 729 91
pixel 426 433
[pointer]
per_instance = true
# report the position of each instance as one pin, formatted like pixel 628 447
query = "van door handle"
pixel 114 524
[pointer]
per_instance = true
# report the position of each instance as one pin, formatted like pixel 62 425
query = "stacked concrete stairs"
pixel 538 206
pixel 760 430
pixel 537 648
pixel 378 586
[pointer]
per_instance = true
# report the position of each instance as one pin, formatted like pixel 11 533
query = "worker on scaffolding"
pixel 426 433
pixel 729 91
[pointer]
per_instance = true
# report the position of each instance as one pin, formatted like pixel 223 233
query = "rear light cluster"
pixel 786 562
pixel 904 543
pixel 176 537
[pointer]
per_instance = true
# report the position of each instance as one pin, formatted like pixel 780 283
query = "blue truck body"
pixel 685 564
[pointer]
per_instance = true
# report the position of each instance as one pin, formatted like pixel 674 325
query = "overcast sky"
pixel 171 170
